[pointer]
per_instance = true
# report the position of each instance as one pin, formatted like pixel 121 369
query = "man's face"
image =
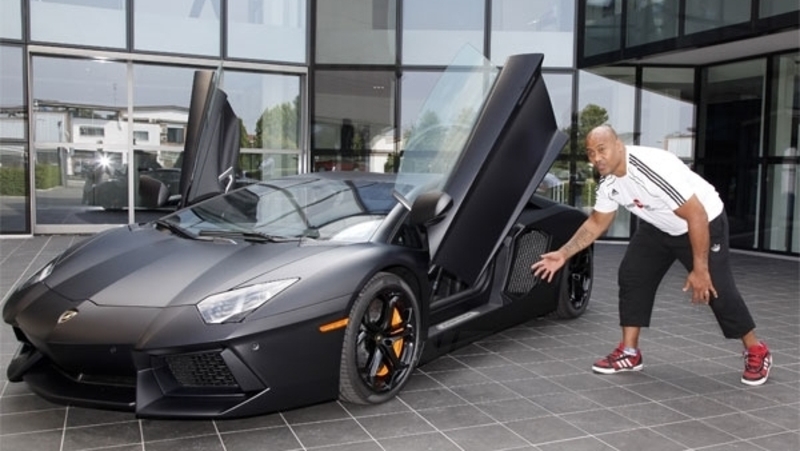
pixel 606 153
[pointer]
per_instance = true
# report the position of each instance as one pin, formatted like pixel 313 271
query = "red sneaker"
pixel 618 361
pixel 757 362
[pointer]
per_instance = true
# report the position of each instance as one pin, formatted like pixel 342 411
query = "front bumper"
pixel 269 366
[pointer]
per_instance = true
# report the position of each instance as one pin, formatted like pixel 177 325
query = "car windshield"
pixel 347 210
pixel 437 138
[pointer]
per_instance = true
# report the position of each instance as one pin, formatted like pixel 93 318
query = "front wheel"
pixel 576 285
pixel 381 342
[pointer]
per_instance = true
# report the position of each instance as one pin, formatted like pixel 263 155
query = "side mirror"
pixel 430 207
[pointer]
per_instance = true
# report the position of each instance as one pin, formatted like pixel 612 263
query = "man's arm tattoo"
pixel 581 240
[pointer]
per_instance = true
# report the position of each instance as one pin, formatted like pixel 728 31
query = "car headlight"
pixel 234 304
pixel 40 275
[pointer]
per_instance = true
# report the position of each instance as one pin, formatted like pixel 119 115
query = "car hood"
pixel 144 267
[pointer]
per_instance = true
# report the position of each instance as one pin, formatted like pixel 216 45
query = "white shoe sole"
pixel 600 370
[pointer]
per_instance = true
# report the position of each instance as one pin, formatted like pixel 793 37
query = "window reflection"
pixel 651 20
pixel 80 140
pixel 161 98
pixel 11 19
pixel 668 110
pixel 602 27
pixel 92 23
pixel 13 113
pixel 710 14
pixel 269 108
pixel 783 205
pixel 598 96
pixel 356 31
pixel 783 190
pixel 785 104
pixel 767 8
pixel 556 184
pixel 559 86
pixel 267 30
pixel 538 26
pixel 353 122
pixel 733 112
pixel 14 188
pixel 433 34
pixel 180 26
pixel 13 149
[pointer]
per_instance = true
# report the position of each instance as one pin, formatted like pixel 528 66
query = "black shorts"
pixel 649 256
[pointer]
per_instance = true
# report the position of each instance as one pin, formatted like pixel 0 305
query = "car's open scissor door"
pixel 493 160
pixel 212 141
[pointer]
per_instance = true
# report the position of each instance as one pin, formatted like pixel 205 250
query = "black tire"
pixel 576 285
pixel 381 342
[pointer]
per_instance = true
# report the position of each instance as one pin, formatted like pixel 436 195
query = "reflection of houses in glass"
pixel 681 144
pixel 79 124
pixel 13 122
pixel 83 134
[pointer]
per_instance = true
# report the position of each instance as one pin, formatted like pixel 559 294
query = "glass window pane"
pixel 416 87
pixel 356 31
pixel 556 184
pixel 783 192
pixel 783 207
pixel 11 19
pixel 785 103
pixel 14 196
pixel 269 108
pixel 99 23
pixel 667 118
pixel 273 30
pixel 80 143
pixel 710 14
pixel 732 108
pixel 433 33
pixel 732 115
pixel 180 26
pixel 353 120
pixel 13 113
pixel 559 86
pixel 538 26
pixel 606 99
pixel 767 8
pixel 161 97
pixel 603 25
pixel 651 21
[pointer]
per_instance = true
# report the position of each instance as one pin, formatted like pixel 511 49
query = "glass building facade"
pixel 96 92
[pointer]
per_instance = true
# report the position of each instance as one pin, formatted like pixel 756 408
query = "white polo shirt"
pixel 657 182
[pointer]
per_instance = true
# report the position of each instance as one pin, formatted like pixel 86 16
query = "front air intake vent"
pixel 207 369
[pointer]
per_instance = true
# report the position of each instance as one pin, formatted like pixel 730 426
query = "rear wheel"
pixel 576 285
pixel 381 342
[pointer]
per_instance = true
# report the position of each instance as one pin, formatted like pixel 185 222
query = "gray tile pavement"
pixel 527 388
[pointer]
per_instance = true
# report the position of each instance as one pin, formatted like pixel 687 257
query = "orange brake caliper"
pixel 398 345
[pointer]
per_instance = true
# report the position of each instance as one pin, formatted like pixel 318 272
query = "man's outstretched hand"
pixel 550 263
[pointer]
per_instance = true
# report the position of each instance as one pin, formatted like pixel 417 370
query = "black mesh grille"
pixel 206 369
pixel 528 247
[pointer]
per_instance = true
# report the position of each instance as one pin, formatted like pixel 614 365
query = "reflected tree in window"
pixel 590 117
pixel 278 126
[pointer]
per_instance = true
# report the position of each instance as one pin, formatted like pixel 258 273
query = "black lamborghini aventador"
pixel 318 286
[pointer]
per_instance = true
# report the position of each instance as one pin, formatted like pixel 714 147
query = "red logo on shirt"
pixel 638 203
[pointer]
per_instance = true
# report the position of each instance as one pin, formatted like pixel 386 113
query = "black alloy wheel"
pixel 381 342
pixel 576 285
